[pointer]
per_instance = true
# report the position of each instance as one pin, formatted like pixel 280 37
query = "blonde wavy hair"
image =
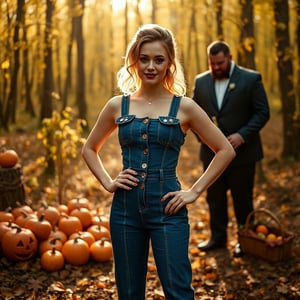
pixel 127 76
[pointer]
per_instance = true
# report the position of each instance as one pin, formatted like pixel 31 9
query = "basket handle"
pixel 267 212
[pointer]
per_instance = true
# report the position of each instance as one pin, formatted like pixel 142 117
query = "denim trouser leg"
pixel 138 216
pixel 130 257
pixel 170 250
pixel 130 247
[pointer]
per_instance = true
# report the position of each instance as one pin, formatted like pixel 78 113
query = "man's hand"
pixel 235 140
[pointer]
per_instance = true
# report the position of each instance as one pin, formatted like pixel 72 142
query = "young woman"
pixel 152 117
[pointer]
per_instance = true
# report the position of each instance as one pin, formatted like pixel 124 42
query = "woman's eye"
pixel 143 59
pixel 159 60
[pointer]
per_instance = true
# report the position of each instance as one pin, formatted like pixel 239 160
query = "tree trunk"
pixel 138 13
pixel 246 55
pixel 193 35
pixel 219 16
pixel 80 86
pixel 126 25
pixel 46 100
pixel 68 79
pixel 27 85
pixel 10 111
pixel 246 50
pixel 285 69
pixel 297 113
pixel 298 49
pixel 153 12
pixel 113 47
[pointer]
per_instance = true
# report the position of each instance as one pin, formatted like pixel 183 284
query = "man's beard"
pixel 223 74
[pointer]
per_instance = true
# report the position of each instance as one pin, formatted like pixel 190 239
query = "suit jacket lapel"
pixel 211 89
pixel 231 85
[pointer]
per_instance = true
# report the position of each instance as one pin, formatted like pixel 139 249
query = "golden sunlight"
pixel 118 4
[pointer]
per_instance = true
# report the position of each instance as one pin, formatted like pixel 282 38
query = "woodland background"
pixel 58 53
pixel 63 55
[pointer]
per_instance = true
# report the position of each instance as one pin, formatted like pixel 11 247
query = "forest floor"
pixel 216 274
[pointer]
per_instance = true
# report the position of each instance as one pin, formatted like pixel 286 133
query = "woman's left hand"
pixel 179 199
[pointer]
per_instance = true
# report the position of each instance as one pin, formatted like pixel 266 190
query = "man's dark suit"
pixel 245 111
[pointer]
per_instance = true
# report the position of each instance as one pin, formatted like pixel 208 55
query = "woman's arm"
pixel 194 118
pixel 102 129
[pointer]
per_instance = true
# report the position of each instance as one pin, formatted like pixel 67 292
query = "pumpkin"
pixel 52 260
pixel 99 232
pixel 39 226
pixel 50 213
pixel 22 219
pixel 56 233
pixel 101 220
pixel 8 158
pixel 78 202
pixel 6 216
pixel 76 252
pixel 69 224
pixel 63 209
pixel 84 235
pixel 17 211
pixel 4 227
pixel 84 215
pixel 19 244
pixel 101 250
pixel 50 243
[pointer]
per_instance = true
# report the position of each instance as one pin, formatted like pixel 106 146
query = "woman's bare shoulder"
pixel 191 112
pixel 115 100
pixel 114 103
pixel 112 108
pixel 188 104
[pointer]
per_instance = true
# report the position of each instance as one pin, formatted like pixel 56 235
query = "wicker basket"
pixel 252 244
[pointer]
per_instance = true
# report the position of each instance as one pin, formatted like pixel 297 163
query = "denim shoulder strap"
pixel 125 105
pixel 174 106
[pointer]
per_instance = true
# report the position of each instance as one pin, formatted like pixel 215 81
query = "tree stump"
pixel 12 190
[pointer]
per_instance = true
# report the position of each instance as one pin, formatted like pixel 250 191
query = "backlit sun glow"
pixel 118 4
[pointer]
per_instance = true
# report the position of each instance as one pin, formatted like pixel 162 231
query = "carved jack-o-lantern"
pixel 19 244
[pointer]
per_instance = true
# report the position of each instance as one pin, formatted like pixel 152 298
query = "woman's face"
pixel 153 63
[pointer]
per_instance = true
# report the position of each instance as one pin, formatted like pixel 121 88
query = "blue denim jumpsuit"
pixel 150 147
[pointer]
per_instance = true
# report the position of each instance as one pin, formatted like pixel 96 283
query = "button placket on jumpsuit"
pixel 151 147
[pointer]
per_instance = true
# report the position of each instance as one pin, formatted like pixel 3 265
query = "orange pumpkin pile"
pixel 73 233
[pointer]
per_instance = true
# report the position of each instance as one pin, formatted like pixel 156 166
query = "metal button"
pixel 146 151
pixel 144 165
pixel 142 186
pixel 144 136
pixel 145 121
pixel 143 174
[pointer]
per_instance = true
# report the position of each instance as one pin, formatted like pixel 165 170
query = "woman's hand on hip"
pixel 179 199
pixel 125 180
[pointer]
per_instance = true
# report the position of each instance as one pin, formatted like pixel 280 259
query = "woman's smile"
pixel 150 75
